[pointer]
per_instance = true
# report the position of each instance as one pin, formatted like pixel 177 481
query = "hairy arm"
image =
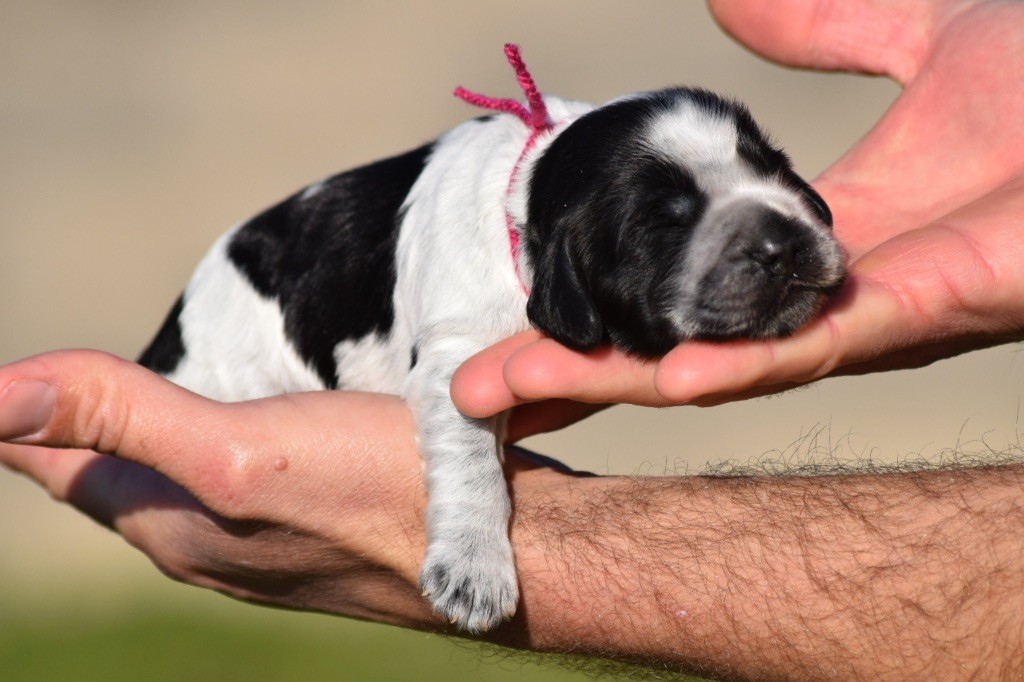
pixel 895 576
pixel 314 501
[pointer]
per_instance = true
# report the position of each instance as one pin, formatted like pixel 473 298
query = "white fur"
pixel 702 141
pixel 454 264
pixel 245 353
pixel 371 363
pixel 312 190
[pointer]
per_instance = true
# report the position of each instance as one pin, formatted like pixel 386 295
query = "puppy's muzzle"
pixel 775 250
pixel 772 272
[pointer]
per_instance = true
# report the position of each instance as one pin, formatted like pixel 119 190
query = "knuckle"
pixel 825 356
pixel 93 409
pixel 101 418
pixel 102 409
pixel 177 565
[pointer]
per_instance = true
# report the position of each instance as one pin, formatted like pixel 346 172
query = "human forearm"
pixel 913 575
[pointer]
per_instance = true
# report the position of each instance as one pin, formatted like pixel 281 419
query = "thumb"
pixel 869 36
pixel 478 388
pixel 95 401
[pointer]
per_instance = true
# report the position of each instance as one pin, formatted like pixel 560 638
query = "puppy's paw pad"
pixel 474 591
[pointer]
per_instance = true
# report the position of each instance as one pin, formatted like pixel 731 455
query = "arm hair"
pixel 878 575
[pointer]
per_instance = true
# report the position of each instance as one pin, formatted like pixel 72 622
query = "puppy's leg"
pixel 468 573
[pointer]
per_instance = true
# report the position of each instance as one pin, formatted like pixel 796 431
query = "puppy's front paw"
pixel 472 583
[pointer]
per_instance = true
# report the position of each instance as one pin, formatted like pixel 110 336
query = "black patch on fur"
pixel 167 348
pixel 609 219
pixel 813 199
pixel 756 149
pixel 329 260
pixel 414 356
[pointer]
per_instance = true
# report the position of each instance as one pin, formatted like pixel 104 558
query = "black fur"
pixel 167 348
pixel 329 260
pixel 608 220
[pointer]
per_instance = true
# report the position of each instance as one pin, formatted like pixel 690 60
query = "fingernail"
pixel 25 408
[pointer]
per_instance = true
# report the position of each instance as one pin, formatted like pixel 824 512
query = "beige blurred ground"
pixel 133 133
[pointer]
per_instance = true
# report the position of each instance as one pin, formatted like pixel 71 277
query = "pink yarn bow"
pixel 534 115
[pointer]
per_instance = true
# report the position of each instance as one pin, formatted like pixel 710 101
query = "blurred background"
pixel 132 134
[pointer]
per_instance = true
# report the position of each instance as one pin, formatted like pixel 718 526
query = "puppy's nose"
pixel 774 243
pixel 776 256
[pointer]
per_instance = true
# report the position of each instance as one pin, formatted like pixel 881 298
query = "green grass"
pixel 241 643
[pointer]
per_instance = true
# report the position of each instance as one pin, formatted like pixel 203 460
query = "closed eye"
pixel 684 208
pixel 672 191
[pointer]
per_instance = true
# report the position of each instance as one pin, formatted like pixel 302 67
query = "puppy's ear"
pixel 812 199
pixel 559 304
pixel 821 209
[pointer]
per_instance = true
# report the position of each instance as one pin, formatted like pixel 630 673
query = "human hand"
pixel 308 501
pixel 929 206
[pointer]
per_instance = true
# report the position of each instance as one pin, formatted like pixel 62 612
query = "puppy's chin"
pixel 754 315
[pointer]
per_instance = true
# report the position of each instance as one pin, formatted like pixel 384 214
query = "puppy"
pixel 658 217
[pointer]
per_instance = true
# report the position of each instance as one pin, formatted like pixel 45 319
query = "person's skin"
pixel 314 501
pixel 927 205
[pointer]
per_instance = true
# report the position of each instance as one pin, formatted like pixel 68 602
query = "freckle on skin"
pixel 281 464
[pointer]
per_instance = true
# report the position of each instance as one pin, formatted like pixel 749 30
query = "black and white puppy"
pixel 658 217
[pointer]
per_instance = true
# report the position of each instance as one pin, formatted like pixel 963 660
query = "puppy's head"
pixel 668 216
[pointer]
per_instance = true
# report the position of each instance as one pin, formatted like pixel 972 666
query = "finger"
pixel 869 36
pixel 54 470
pixel 694 371
pixel 94 401
pixel 109 490
pixel 478 387
pixel 546 369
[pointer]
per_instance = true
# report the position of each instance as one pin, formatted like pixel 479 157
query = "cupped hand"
pixel 307 501
pixel 273 500
pixel 929 206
